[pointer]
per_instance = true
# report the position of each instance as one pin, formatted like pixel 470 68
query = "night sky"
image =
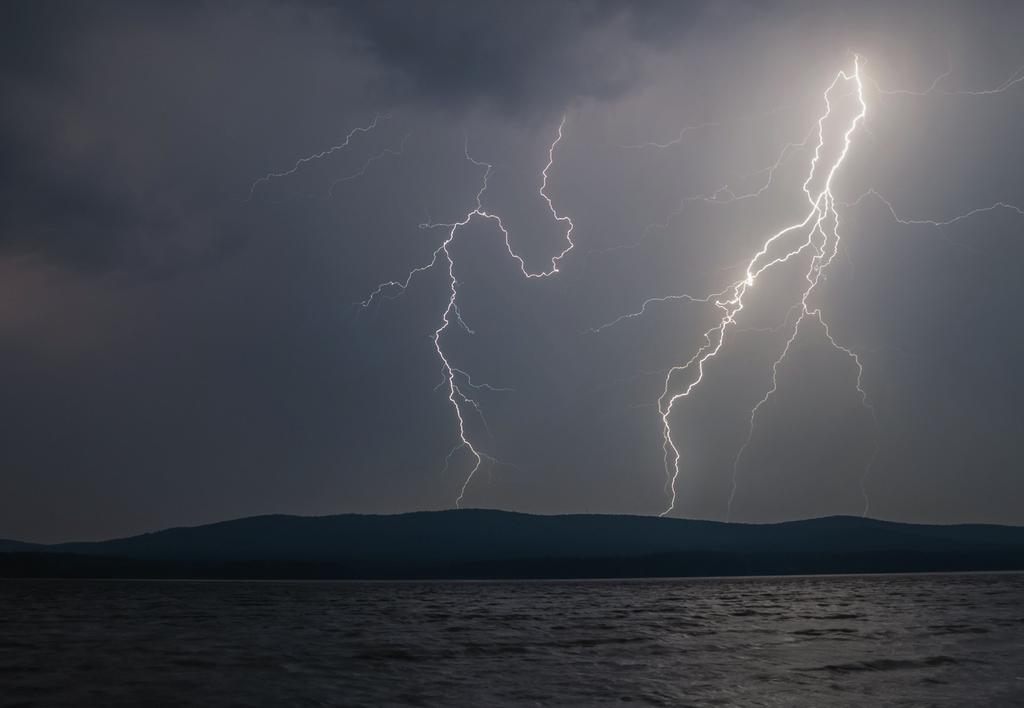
pixel 179 345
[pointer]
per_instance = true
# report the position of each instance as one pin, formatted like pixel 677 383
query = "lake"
pixel 925 639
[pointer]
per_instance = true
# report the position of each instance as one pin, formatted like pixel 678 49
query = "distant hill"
pixel 7 546
pixel 477 543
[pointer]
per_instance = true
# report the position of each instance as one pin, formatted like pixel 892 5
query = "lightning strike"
pixel 822 239
pixel 821 223
pixel 821 243
pixel 456 396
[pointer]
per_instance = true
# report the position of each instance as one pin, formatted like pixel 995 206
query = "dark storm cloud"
pixel 172 352
pixel 109 105
pixel 519 55
pixel 107 123
pixel 82 149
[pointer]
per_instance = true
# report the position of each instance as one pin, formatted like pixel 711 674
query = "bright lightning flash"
pixel 822 241
pixel 820 224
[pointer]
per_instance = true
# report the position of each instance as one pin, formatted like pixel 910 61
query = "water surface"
pixel 927 639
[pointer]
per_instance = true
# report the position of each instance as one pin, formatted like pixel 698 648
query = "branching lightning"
pixel 821 243
pixel 822 239
pixel 814 236
pixel 457 397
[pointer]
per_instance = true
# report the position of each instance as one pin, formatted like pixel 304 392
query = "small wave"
pixel 747 612
pixel 823 632
pixel 957 629
pixel 888 664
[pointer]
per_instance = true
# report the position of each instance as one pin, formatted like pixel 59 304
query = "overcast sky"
pixel 179 345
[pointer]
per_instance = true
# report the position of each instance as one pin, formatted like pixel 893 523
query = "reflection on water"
pixel 951 640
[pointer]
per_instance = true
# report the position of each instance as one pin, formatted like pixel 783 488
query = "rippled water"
pixel 951 640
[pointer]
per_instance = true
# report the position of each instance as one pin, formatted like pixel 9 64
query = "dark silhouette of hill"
pixel 478 543
pixel 7 546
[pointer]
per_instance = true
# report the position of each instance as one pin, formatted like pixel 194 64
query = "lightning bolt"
pixel 300 162
pixel 934 87
pixel 821 223
pixel 456 395
pixel 822 239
